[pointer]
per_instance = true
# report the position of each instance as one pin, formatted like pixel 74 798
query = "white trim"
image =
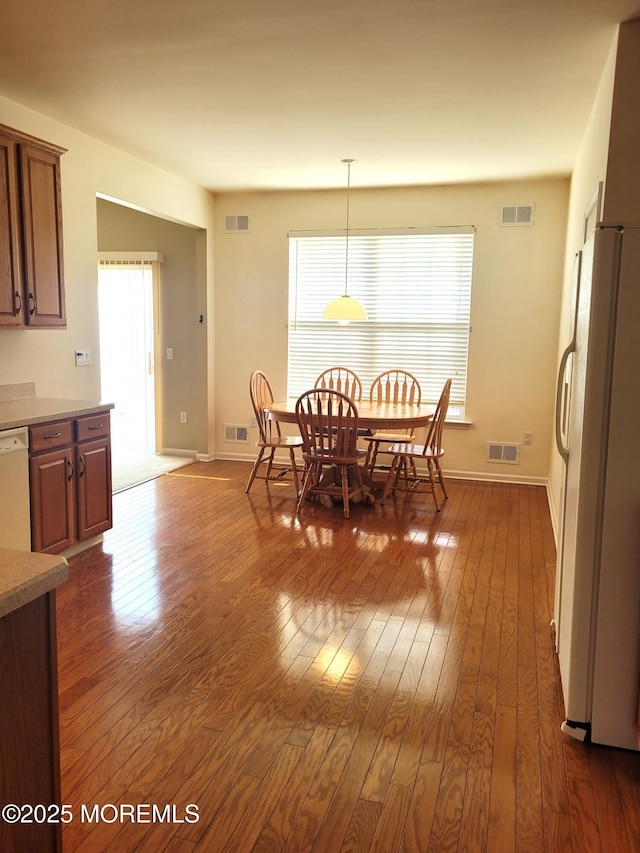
pixel 490 477
pixel 553 512
pixel 130 257
pixel 478 476
pixel 386 232
pixel 176 451
pixel 246 457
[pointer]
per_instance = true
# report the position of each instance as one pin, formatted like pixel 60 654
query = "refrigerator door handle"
pixel 562 402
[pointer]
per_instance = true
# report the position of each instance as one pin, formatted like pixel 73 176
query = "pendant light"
pixel 345 308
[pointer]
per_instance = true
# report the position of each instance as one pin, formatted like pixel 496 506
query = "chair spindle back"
pixel 341 379
pixel 396 386
pixel 328 422
pixel 261 397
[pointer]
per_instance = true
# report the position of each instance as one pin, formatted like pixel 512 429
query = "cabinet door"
pixel 94 487
pixel 52 501
pixel 42 235
pixel 10 278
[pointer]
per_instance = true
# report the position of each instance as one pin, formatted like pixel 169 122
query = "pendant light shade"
pixel 345 308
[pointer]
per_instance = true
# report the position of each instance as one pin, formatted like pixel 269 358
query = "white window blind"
pixel 416 287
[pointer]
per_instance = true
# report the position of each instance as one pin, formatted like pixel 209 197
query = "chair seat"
pixel 405 448
pixel 391 386
pixel 405 454
pixel 328 422
pixel 373 453
pixel 270 438
pixel 331 459
pixel 285 441
pixel 379 435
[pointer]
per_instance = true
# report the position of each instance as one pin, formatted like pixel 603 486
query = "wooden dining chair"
pixel 270 439
pixel 328 422
pixel 431 452
pixel 341 379
pixel 391 386
pixel 346 381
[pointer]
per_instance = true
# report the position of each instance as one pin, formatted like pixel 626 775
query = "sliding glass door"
pixel 127 357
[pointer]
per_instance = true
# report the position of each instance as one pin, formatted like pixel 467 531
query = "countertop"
pixel 36 410
pixel 25 576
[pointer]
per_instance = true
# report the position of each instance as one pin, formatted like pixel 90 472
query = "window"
pixel 416 287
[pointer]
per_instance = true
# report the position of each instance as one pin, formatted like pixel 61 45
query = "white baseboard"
pixel 553 512
pixel 179 451
pixel 516 479
pixel 483 476
pixel 245 457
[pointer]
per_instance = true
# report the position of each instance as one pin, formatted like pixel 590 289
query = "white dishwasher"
pixel 15 512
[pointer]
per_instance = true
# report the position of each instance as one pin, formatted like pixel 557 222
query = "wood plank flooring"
pixel 312 683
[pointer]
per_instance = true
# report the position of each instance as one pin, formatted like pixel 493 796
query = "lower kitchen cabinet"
pixel 29 746
pixel 70 470
pixel 29 727
pixel 53 522
pixel 93 494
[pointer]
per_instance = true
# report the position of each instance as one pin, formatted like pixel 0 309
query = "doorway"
pixel 128 319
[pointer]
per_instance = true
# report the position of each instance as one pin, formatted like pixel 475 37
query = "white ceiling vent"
pixel 237 224
pixel 507 453
pixel 517 214
pixel 237 433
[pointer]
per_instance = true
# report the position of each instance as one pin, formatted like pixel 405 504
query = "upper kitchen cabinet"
pixel 31 263
pixel 10 261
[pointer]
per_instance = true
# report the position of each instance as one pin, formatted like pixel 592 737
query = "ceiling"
pixel 272 94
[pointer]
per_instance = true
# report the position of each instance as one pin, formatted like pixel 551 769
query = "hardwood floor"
pixel 312 683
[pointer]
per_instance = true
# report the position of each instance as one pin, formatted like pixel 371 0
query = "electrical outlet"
pixel 183 417
pixel 527 438
pixel 169 353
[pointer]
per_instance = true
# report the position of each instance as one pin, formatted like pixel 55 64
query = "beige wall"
pixel 90 168
pixel 517 285
pixel 515 312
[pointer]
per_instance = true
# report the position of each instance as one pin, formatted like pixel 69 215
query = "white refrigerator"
pixel 597 603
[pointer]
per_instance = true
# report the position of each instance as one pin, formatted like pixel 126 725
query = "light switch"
pixel 83 357
pixel 169 353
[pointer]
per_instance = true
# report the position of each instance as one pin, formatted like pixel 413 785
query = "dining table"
pixel 371 415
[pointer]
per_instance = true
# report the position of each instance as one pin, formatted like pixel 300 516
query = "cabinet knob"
pixel 82 466
pixel 32 304
pixel 70 470
pixel 17 303
pixel 51 435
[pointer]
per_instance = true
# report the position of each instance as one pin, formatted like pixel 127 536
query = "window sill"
pixel 458 424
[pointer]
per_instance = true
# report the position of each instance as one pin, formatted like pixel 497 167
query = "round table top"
pixel 374 416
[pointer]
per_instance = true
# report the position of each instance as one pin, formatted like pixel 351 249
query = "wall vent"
pixel 500 452
pixel 237 224
pixel 237 433
pixel 517 214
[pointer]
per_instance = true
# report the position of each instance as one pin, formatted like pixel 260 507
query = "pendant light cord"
pixel 345 308
pixel 346 257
